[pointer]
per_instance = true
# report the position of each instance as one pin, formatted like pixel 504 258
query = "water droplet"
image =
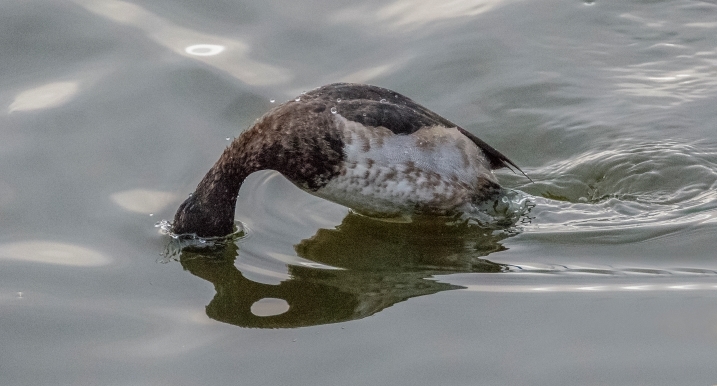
pixel 297 99
pixel 338 100
pixel 364 114
pixel 190 194
pixel 382 101
pixel 151 214
pixel 333 110
pixel 228 139
pixel 272 100
pixel 395 95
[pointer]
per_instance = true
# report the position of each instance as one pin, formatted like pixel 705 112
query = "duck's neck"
pixel 298 141
pixel 209 211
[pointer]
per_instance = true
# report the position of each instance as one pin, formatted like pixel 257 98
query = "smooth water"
pixel 111 111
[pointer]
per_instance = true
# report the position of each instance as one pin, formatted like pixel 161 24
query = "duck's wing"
pixel 377 106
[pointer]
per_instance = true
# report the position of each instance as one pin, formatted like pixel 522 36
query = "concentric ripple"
pixel 629 185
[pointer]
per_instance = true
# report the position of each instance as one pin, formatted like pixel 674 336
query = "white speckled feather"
pixel 433 170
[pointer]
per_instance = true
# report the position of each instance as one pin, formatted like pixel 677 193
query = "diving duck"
pixel 365 147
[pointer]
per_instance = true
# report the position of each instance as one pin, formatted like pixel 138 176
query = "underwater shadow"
pixel 379 264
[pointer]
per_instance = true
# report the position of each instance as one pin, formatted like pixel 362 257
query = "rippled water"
pixel 111 111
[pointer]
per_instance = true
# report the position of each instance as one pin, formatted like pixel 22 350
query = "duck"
pixel 365 147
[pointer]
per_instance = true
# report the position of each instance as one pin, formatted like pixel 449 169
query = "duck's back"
pixel 374 106
pixel 398 156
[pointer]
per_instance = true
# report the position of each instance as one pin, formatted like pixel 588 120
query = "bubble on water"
pixel 338 100
pixel 272 100
pixel 382 101
pixel 364 114
pixel 333 110
pixel 165 227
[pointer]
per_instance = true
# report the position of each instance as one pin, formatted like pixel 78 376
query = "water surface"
pixel 111 112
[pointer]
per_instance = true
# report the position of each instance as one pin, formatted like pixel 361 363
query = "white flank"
pixel 435 169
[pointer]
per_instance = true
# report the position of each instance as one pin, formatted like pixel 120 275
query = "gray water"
pixel 111 112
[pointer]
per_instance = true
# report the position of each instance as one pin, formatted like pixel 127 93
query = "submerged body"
pixel 365 147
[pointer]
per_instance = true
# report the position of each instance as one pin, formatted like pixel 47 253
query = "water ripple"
pixel 629 185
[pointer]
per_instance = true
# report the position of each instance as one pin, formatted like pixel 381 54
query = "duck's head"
pixel 197 216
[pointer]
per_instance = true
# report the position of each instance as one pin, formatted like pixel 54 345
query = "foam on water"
pixel 179 242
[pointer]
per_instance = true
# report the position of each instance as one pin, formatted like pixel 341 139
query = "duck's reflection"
pixel 383 264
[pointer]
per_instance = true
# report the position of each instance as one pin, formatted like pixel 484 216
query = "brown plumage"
pixel 338 140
